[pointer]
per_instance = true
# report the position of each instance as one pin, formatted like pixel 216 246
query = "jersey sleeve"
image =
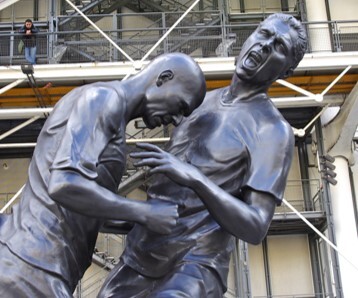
pixel 270 162
pixel 93 122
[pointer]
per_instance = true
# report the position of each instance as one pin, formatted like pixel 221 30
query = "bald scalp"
pixel 184 70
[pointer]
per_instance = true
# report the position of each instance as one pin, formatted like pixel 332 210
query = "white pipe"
pixel 23 113
pixel 315 117
pixel 319 233
pixel 296 88
pixel 336 80
pixel 17 145
pixel 170 30
pixel 128 141
pixel 15 129
pixel 11 85
pixel 12 200
pixel 154 140
pixel 100 31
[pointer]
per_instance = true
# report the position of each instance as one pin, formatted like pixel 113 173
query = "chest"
pixel 112 162
pixel 214 139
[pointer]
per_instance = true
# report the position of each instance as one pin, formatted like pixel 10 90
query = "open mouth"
pixel 253 60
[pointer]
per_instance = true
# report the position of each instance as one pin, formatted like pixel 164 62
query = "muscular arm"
pixel 116 227
pixel 84 196
pixel 247 218
pixel 95 119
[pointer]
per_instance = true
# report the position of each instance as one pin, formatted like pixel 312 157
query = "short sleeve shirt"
pixel 85 134
pixel 242 145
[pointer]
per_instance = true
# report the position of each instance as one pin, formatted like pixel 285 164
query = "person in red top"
pixel 226 167
pixel 47 243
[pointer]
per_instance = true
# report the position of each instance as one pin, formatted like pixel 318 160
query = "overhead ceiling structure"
pixel 316 74
pixel 6 3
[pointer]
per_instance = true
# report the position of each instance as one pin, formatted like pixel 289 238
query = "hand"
pixel 163 162
pixel 163 216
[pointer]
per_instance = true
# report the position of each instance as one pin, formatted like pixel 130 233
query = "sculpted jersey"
pixel 84 133
pixel 246 144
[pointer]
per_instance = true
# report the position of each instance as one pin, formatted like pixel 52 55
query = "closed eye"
pixel 264 32
pixel 281 47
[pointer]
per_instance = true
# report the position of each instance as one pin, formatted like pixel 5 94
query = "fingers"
pixel 151 162
pixel 157 170
pixel 149 147
pixel 154 156
pixel 145 154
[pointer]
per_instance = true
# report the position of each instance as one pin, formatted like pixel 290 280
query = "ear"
pixel 164 76
pixel 287 74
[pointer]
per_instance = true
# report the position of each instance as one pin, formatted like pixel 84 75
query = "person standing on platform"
pixel 29 31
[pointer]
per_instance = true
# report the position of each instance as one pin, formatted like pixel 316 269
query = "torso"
pixel 69 237
pixel 218 139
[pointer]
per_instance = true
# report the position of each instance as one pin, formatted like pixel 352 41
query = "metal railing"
pixel 4 199
pixel 294 194
pixel 209 37
pixel 109 247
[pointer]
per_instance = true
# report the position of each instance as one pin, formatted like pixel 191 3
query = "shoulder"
pixel 217 92
pixel 281 132
pixel 102 96
pixel 276 127
pixel 100 91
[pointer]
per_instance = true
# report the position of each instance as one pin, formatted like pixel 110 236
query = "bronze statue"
pixel 226 167
pixel 47 243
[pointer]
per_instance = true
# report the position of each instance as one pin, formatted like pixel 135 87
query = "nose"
pixel 267 45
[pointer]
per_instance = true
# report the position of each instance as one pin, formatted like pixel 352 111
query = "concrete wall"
pixel 343 10
pixel 24 9
pixel 257 6
pixel 290 268
pixel 13 175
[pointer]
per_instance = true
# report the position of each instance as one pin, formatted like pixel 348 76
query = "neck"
pixel 134 96
pixel 243 90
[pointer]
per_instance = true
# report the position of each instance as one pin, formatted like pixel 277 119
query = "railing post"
pixel 336 37
pixel 12 43
pixel 53 28
pixel 329 217
pixel 223 32
pixel 113 56
pixel 165 41
pixel 303 162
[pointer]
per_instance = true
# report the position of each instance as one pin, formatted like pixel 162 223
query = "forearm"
pixel 84 196
pixel 242 220
pixel 247 221
pixel 116 227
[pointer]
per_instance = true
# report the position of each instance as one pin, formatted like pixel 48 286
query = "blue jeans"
pixel 30 54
